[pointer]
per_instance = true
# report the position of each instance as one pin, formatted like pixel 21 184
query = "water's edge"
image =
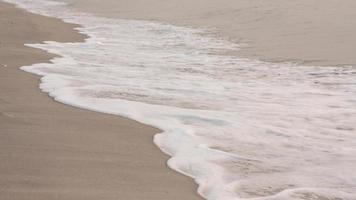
pixel 236 126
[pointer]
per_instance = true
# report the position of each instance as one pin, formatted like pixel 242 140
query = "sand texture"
pixel 53 151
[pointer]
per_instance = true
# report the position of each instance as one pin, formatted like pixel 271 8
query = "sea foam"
pixel 242 128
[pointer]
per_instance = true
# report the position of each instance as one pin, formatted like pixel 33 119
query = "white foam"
pixel 243 129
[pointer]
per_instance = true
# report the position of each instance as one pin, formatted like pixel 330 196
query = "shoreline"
pixel 306 32
pixel 49 149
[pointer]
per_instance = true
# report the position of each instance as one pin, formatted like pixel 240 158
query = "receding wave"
pixel 243 129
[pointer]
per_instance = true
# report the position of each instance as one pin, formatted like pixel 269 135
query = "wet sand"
pixel 313 32
pixel 53 151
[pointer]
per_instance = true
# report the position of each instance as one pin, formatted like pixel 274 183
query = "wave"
pixel 242 128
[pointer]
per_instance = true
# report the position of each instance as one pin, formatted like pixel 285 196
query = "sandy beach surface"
pixel 53 151
pixel 313 32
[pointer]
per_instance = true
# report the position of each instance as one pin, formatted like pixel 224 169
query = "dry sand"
pixel 53 151
pixel 315 32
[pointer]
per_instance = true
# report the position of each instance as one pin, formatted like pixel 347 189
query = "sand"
pixel 53 151
pixel 312 32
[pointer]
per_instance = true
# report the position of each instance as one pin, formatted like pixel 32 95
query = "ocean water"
pixel 242 128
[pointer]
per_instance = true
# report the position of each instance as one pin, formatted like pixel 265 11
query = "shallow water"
pixel 242 128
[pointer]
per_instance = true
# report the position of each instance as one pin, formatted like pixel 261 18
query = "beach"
pixel 188 99
pixel 53 151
